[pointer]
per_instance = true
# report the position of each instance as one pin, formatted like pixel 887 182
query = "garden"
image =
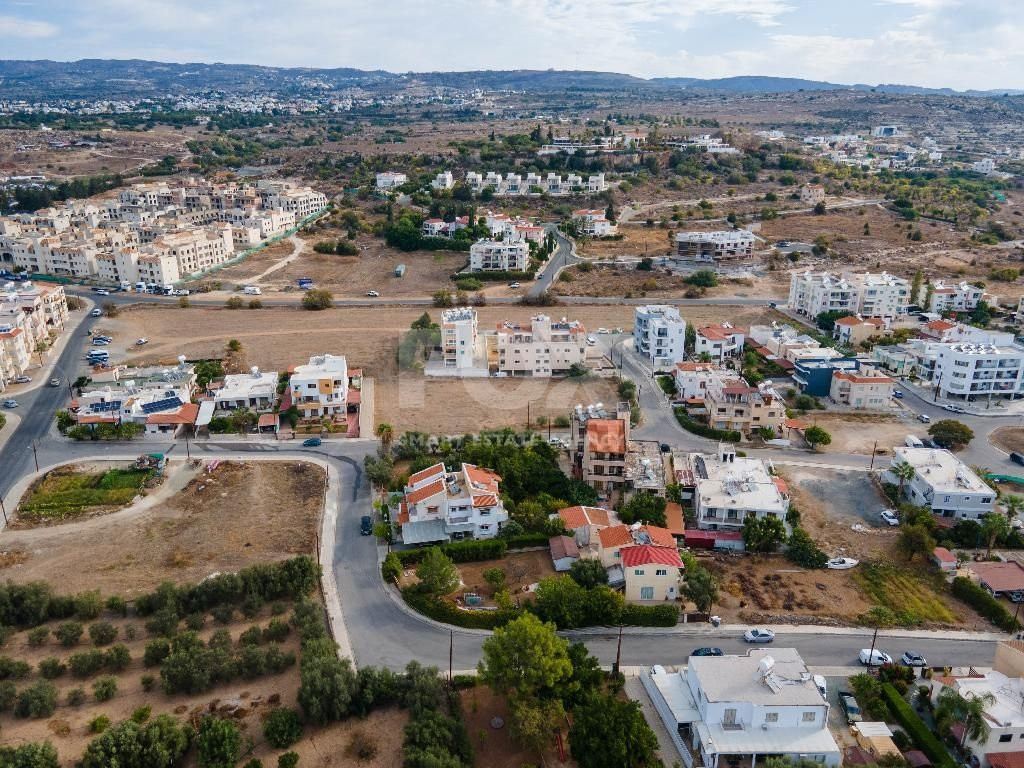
pixel 70 492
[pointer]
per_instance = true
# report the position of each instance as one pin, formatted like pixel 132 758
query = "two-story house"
pixel 942 483
pixel 320 388
pixel 440 506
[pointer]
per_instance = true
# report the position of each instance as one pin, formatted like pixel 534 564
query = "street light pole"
pixel 35 455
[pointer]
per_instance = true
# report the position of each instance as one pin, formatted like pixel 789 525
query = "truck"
pixel 140 287
pixel 126 285
pixel 305 283
pixel 913 442
pixel 251 290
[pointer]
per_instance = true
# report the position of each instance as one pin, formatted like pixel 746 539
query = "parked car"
pixel 873 658
pixel 889 516
pixel 311 442
pixel 22 379
pixel 556 441
pixel 898 394
pixel 759 636
pixel 10 403
pixel 1017 458
pixel 55 382
pixel 591 341
pixel 913 659
pixel 924 418
pixel 842 563
pixel 96 312
pixel 602 330
pixel 140 342
pixel 707 651
pixel 373 294
pixel 927 442
pixel 850 707
pixel 953 408
pixel 365 525
pixel 100 342
pixel 666 448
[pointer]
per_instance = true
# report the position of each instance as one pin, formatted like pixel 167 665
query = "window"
pixel 771 717
pixel 1006 737
pixel 810 717
pixel 638 571
pixel 661 572
pixel 646 593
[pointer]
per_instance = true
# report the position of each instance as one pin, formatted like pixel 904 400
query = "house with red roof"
pixel 441 505
pixel 719 342
pixel 651 572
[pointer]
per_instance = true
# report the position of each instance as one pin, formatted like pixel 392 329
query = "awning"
pixel 424 532
pixel 459 527
pixel 206 409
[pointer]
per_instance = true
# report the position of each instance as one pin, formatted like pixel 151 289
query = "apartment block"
pixel 659 334
pixel 439 505
pixel 942 483
pixel 443 180
pixel 853 329
pixel 719 342
pixel 971 371
pixel 812 293
pixel 710 247
pixel 255 391
pixel 459 334
pixel 599 442
pixel 734 404
pixel 880 295
pixel 962 297
pixel 540 348
pixel 498 256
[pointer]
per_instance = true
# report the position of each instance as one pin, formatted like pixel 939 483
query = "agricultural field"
pixel 68 493
pixel 906 596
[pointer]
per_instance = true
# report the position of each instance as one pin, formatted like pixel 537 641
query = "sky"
pixel 958 44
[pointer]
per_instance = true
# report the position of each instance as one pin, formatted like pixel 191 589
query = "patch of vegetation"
pixel 902 597
pixel 61 495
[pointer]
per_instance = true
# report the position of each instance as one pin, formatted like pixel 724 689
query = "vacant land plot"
pixel 521 569
pixel 628 281
pixel 859 433
pixel 906 596
pixel 238 515
pixel 495 747
pixel 1010 439
pixel 69 492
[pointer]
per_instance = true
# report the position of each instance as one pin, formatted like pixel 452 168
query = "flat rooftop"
pixel 743 483
pixel 738 678
pixel 941 469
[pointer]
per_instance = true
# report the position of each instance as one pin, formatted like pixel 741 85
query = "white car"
pixel 373 294
pixel 924 418
pixel 603 330
pixel 10 403
pixel 591 341
pixel 889 516
pixel 102 292
pixel 759 636
pixel 96 312
pixel 953 408
pixel 140 342
pixel 873 658
pixel 22 379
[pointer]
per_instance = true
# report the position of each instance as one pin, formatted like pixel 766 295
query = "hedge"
pixel 704 430
pixel 527 540
pixel 984 603
pixel 460 552
pixel 446 612
pixel 916 728
pixel 494 276
pixel 664 615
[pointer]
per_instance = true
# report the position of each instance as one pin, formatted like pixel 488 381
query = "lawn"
pixel 902 596
pixel 62 494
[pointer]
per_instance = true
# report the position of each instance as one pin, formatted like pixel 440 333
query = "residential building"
pixel 160 410
pixel 728 488
pixel 564 552
pixel 779 341
pixel 972 371
pixel 659 334
pixel 812 293
pixel 727 710
pixel 986 166
pixel 459 338
pixel 439 505
pixel 962 297
pixel 814 377
pixel 513 184
pixel 31 318
pixel 592 222
pixel 719 342
pixel 812 194
pixel 391 179
pixel 443 180
pixel 853 329
pixel 320 387
pixel 540 348
pixel 722 245
pixel 943 483
pixel 885 131
pixel 864 389
pixel 693 379
pixel 613 539
pixel 880 295
pixel 733 404
pixel 599 442
pixel 14 352
pixel 499 256
pixel 585 523
pixel 256 391
pixel 651 573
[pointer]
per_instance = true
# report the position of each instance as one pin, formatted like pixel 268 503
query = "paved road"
pixel 561 258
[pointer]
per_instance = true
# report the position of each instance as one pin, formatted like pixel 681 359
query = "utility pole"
pixel 873 449
pixel 871 654
pixel 618 653
pixel 35 455
pixel 451 653
pixel 187 454
pixel 2 509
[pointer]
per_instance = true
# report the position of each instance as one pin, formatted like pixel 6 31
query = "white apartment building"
pixel 729 710
pixel 943 483
pixel 880 295
pixel 440 506
pixel 443 180
pixel 15 351
pixel 694 379
pixel 256 391
pixel 659 334
pixel 391 179
pixel 719 342
pixel 785 340
pixel 499 256
pixel 540 348
pixel 962 297
pixel 513 184
pixel 973 371
pixel 812 293
pixel 300 201
pixel 32 315
pixel 986 166
pixel 715 246
pixel 459 334
pixel 593 223
pixel 728 489
pixel 320 387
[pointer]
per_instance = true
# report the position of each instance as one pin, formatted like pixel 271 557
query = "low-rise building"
pixel 814 376
pixel 853 329
pixel 733 404
pixel 613 539
pixel 443 180
pixel 812 194
pixel 719 342
pixel 599 442
pixel 866 388
pixel 693 379
pixel 320 387
pixel 390 180
pixel 439 505
pixel 723 245
pixel 592 222
pixel 659 334
pixel 585 523
pixel 942 483
pixel 499 256
pixel 962 297
pixel 651 573
pixel 255 391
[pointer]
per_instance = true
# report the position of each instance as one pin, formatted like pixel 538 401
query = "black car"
pixel 707 652
pixel 1017 458
pixel 365 525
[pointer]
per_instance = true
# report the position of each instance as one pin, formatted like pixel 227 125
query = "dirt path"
pixel 298 247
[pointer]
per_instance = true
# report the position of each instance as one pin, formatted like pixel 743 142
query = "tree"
pixel 219 743
pixel 495 578
pixel 326 688
pixel 915 285
pixel 903 471
pixel 102 633
pixel 183 302
pixel 588 573
pixel 317 299
pixel 701 587
pixel 288 760
pixel 644 508
pixel 437 573
pixel 827 320
pixel 525 658
pixel 561 600
pixel 608 732
pixel 801 550
pixel 915 540
pixel 282 728
pixel 816 436
pixel 1014 505
pixel 950 433
pixel 994 527
pixel 386 434
pixel 105 688
pixel 763 534
pixel 952 708
pixel 69 633
pixel 37 701
pixel 819 208
pixel 35 754
pixel 535 722
pixel 235 302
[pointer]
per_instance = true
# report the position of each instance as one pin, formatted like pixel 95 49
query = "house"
pixel 592 222
pixel 812 194
pixel 719 342
pixel 541 348
pixel 853 329
pixel 864 389
pixel 659 334
pixel 439 505
pixel 498 256
pixel 675 521
pixel 779 341
pixel 443 180
pixel 651 572
pixel 727 245
pixel 814 376
pixel 256 391
pixel 390 180
pixel 614 538
pixel 943 483
pixel 585 523
pixel 564 552
pixel 732 404
pixel 946 561
pixel 727 489
pixel 693 379
pixel 726 710
pixel 320 387
pixel 598 442
pixel 985 166
pixel 999 578
pixel 169 403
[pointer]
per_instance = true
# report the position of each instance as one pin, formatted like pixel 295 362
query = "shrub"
pixel 288 760
pixel 52 668
pixel 87 664
pixel 219 743
pixel 195 621
pixel 447 613
pixel 224 614
pixel 13 668
pixel 251 636
pixel 69 633
pixel 704 430
pixel 102 633
pixel 317 299
pixel 76 697
pixel 117 658
pixel 276 631
pixel 220 639
pixel 235 302
pixel 88 605
pixel 141 714
pixel 916 728
pixel 117 605
pixel 164 623
pixel 37 637
pixel 460 552
pixel 984 603
pixel 156 651
pixel 282 728
pixel 104 688
pixel 99 724
pixel 148 681
pixel 8 695
pixel 391 568
pixel 36 701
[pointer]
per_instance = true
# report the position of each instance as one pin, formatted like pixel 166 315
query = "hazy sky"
pixel 955 43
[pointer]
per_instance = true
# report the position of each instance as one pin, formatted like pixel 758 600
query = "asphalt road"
pixel 562 257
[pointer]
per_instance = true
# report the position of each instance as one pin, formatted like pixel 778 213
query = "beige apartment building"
pixel 599 442
pixel 733 404
pixel 540 348
pixel 866 388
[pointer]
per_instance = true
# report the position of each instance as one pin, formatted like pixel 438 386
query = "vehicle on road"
pixel 96 312
pixel 102 292
pixel 252 290
pixel 591 341
pixel 365 525
pixel 373 294
pixel 927 442
pixel 913 659
pixel 140 342
pixel 311 442
pixel 500 374
pixel 707 651
pixel 898 394
pixel 100 342
pixel 1017 458
pixel 889 516
pixel 873 657
pixel 759 636
pixel 924 418
pixel 602 330
pixel 782 244
pixel 912 441
pixel 842 563
pixel 850 707
pixel 953 408
pixel 513 285
pixel 54 382
pixel 22 379
pixel 10 403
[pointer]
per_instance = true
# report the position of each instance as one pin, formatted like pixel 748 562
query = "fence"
pixel 667 718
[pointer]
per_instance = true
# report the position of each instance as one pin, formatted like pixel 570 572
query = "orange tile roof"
pixel 403 513
pixel 660 537
pixel 11 334
pixel 645 554
pixel 485 500
pixel 674 520
pixel 616 536
pixel 95 419
pixel 780 484
pixel 694 367
pixel 432 489
pixel 606 435
pixel 187 414
pixel 943 555
pixel 425 474
pixel 481 478
pixel 578 516
pixel 941 325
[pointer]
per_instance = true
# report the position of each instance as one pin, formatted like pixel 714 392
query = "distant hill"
pixel 115 78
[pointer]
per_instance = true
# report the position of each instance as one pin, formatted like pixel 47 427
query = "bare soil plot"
pixel 859 433
pixel 521 569
pixel 629 282
pixel 1010 439
pixel 238 515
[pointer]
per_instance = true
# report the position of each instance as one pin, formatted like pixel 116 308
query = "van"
pixel 912 442
pixel 140 287
pixel 126 285
pixel 251 290
pixel 98 356
pixel 821 685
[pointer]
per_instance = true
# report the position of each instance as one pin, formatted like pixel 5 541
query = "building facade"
pixel 541 348
pixel 942 483
pixel 439 505
pixel 723 245
pixel 499 256
pixel 659 334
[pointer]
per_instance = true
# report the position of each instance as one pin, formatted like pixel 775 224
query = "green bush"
pixel 526 540
pixel 282 728
pixel 69 633
pixel 13 669
pixel 664 615
pixel 102 633
pixel 76 697
pixel 460 552
pixel 447 613
pixel 391 568
pixel 88 663
pixel 8 695
pixel 916 728
pixel 52 668
pixel 104 688
pixel 36 701
pixel 276 631
pixel 984 603
pixel 117 658
pixel 37 637
pixel 99 724
pixel 156 651
pixel 697 428
pixel 251 636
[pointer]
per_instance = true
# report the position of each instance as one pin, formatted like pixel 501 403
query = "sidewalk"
pixel 796 629
pixel 13 420
pixel 41 375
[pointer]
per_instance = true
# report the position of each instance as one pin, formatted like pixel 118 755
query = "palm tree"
pixel 1014 505
pixel 902 471
pixel 969 711
pixel 385 433
pixel 994 527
